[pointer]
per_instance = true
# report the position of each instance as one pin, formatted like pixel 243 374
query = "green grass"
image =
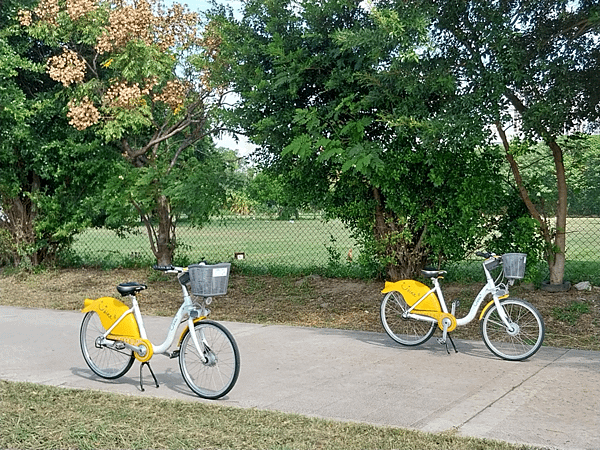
pixel 583 239
pixel 35 416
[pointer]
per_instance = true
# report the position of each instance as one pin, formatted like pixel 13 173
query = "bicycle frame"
pixel 137 340
pixel 446 319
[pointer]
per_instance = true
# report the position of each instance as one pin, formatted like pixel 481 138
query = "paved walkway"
pixel 551 400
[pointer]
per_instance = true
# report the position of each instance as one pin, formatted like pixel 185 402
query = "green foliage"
pixel 531 67
pixel 46 170
pixel 355 123
pixel 195 190
pixel 138 88
pixel 582 156
pixel 270 195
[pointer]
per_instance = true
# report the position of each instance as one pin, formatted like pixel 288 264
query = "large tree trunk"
pixel 406 257
pixel 556 260
pixel 555 242
pixel 21 213
pixel 162 237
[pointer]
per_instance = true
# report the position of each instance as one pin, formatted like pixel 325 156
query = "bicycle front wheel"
pixel 106 361
pixel 404 331
pixel 522 338
pixel 212 371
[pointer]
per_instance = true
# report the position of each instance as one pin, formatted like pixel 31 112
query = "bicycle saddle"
pixel 130 287
pixel 432 273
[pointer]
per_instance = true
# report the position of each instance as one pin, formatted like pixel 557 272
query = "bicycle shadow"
pixel 170 379
pixel 470 348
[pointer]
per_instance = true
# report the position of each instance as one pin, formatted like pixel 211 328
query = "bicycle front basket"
pixel 209 280
pixel 514 265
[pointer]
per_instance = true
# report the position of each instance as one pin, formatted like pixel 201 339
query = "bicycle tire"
pixel 106 362
pixel 409 332
pixel 521 342
pixel 214 373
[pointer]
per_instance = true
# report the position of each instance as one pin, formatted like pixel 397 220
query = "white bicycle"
pixel 112 334
pixel 511 328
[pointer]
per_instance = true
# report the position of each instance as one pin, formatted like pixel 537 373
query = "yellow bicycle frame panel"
pixel 412 291
pixel 109 309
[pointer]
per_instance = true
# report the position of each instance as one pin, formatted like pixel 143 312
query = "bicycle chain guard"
pixel 412 291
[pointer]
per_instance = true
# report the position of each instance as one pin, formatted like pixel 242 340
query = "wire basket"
pixel 209 280
pixel 514 265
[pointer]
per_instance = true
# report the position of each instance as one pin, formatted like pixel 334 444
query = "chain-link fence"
pixel 306 242
pixel 302 243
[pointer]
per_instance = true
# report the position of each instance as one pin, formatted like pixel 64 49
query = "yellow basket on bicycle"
pixel 209 280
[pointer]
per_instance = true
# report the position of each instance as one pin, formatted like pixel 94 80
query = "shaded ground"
pixel 572 318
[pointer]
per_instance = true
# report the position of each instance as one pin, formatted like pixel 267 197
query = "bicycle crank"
pixel 444 319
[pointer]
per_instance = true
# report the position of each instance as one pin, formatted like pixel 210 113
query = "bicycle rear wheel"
pixel 404 331
pixel 522 339
pixel 105 361
pixel 212 372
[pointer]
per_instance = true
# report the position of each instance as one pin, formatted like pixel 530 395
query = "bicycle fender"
pixel 412 291
pixel 196 320
pixel 490 303
pixel 109 309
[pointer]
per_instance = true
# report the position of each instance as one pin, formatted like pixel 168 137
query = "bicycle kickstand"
pixel 452 342
pixel 446 335
pixel 147 363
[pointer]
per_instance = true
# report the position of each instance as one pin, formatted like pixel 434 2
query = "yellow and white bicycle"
pixel 511 328
pixel 113 336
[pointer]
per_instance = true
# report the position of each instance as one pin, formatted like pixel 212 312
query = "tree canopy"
pixel 46 171
pixel 532 66
pixel 139 75
pixel 340 99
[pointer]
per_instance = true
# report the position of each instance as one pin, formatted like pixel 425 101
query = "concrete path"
pixel 551 400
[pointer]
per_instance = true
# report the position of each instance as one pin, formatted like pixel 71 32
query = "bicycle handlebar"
pixel 485 254
pixel 174 269
pixel 163 268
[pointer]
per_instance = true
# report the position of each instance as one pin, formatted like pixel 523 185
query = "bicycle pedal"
pixel 441 341
pixel 174 354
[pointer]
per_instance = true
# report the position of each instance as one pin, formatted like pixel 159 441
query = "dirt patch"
pixel 572 318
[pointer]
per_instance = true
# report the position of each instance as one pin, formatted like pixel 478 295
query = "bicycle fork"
pixel 201 346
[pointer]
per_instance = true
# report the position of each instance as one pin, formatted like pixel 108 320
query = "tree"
pixel 338 101
pixel 536 61
pixel 46 172
pixel 139 76
pixel 198 185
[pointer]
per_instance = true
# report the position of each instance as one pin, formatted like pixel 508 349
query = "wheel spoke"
pixel 104 361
